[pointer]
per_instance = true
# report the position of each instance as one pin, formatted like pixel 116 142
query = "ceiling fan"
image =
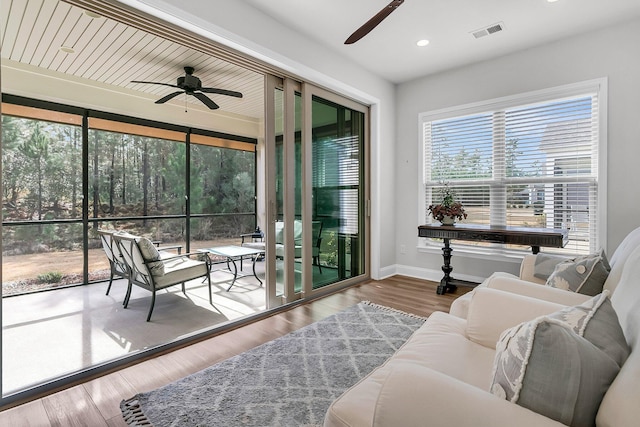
pixel 191 85
pixel 373 22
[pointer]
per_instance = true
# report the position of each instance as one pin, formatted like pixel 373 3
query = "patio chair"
pixel 116 263
pixel 112 251
pixel 316 238
pixel 148 270
pixel 255 240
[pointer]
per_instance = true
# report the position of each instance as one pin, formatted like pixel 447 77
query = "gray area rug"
pixel 290 381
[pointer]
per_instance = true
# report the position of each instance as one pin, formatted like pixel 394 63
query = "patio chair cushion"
pixel 584 274
pixel 181 269
pixel 279 227
pixel 151 256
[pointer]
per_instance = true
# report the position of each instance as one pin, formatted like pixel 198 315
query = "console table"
pixel 534 237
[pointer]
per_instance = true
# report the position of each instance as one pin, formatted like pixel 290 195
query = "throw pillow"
pixel 151 256
pixel 584 274
pixel 545 264
pixel 597 321
pixel 544 366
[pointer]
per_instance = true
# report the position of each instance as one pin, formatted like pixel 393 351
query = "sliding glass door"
pixel 338 196
pixel 316 230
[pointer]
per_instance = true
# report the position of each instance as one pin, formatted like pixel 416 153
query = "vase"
pixel 448 220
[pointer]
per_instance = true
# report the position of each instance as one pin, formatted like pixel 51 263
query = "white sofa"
pixel 442 375
pixel 526 283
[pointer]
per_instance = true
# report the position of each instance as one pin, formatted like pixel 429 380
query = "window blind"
pixel 532 165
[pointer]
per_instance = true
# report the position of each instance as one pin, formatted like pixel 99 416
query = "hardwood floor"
pixel 96 403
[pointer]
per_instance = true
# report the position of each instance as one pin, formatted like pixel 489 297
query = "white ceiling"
pixel 390 49
pixel 111 54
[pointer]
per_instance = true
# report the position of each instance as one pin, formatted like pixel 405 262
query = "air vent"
pixel 491 29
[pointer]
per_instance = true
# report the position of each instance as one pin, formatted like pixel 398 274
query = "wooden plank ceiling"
pixel 37 32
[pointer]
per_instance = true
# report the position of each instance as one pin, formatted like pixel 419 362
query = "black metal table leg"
pixel 255 257
pixel 235 272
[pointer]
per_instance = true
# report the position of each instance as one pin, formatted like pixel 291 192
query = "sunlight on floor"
pixel 50 334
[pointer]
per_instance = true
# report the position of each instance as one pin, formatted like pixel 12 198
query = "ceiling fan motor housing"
pixel 189 83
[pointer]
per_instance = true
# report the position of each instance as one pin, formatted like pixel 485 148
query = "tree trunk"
pixel 112 181
pixel 96 177
pixel 124 171
pixel 39 188
pixel 74 183
pixel 145 181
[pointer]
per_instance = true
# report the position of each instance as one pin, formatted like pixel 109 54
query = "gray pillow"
pixel 597 321
pixel 545 264
pixel 151 256
pixel 584 274
pixel 544 366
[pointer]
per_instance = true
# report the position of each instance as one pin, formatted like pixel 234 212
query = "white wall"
pixel 244 28
pixel 610 52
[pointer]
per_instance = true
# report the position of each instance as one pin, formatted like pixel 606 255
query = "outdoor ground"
pixel 20 272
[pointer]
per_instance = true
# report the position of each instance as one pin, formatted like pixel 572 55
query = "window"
pixel 136 179
pixel 533 160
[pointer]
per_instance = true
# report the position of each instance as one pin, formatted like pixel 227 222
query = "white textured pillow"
pixel 544 366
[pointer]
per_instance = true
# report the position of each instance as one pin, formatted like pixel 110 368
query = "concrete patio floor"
pixel 51 334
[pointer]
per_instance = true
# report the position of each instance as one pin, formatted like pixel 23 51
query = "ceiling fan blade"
pixel 206 101
pixel 154 83
pixel 220 91
pixel 373 22
pixel 168 97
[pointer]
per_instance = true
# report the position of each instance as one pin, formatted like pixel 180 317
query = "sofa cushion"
pixel 151 256
pixel 439 344
pixel 544 366
pixel 584 274
pixel 485 328
pixel 415 396
pixel 597 321
pixel 620 405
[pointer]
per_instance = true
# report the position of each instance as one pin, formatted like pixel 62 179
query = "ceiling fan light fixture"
pixel 422 43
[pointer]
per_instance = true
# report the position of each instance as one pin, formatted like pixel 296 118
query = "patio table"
pixel 231 255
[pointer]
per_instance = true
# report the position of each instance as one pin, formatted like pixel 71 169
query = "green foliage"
pixel 129 175
pixel 330 249
pixel 50 277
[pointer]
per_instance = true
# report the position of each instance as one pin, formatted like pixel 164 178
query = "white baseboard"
pixel 424 273
pixel 386 272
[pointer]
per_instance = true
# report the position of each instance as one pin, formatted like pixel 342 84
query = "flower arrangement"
pixel 448 208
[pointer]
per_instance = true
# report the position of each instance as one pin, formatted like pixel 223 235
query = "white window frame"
pixel 597 86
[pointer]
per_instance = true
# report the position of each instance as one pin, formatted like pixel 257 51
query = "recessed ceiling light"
pixel 422 42
pixel 92 14
pixel 552 1
pixel 66 49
